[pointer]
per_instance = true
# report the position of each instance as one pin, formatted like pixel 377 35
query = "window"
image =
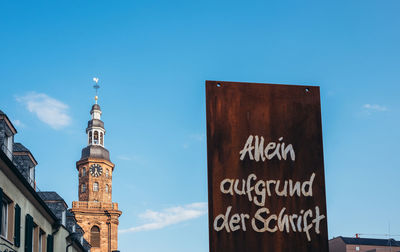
pixel 4 218
pixel 32 176
pixel 107 188
pixel 107 173
pixel 90 137
pixel 95 187
pixel 101 138
pixel 64 218
pixel 83 188
pixel 95 237
pixel 7 146
pixel 83 171
pixel 96 137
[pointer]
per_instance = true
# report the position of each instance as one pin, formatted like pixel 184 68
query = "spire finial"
pixel 96 87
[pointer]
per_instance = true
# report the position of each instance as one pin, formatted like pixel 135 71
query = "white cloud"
pixel 169 216
pixel 47 109
pixel 18 123
pixel 375 107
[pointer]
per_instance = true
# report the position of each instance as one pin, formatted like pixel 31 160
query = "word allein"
pixel 273 149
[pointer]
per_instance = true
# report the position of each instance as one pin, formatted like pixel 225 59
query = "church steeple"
pixel 95 129
pixel 95 211
pixel 95 132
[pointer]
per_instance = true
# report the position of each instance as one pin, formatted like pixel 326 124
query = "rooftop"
pixel 50 196
pixel 7 120
pixel 95 151
pixel 370 241
pixel 18 147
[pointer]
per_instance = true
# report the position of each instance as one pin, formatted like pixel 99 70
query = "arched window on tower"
pixel 83 188
pixel 96 137
pixel 107 174
pixel 90 137
pixel 101 138
pixel 95 237
pixel 83 172
pixel 95 187
pixel 107 189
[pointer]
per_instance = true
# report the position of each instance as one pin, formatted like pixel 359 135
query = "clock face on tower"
pixel 96 170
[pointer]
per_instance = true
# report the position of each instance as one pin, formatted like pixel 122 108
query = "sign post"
pixel 266 185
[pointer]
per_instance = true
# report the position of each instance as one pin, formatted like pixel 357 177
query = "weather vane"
pixel 96 87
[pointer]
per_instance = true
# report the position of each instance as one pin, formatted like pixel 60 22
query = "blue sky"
pixel 152 58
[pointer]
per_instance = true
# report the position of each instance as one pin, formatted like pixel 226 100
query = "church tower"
pixel 95 212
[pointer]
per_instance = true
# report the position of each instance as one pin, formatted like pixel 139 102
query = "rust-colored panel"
pixel 244 216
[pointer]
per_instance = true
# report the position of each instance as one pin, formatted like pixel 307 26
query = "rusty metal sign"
pixel 266 183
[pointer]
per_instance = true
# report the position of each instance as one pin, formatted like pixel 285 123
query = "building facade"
pixel 28 223
pixel 95 211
